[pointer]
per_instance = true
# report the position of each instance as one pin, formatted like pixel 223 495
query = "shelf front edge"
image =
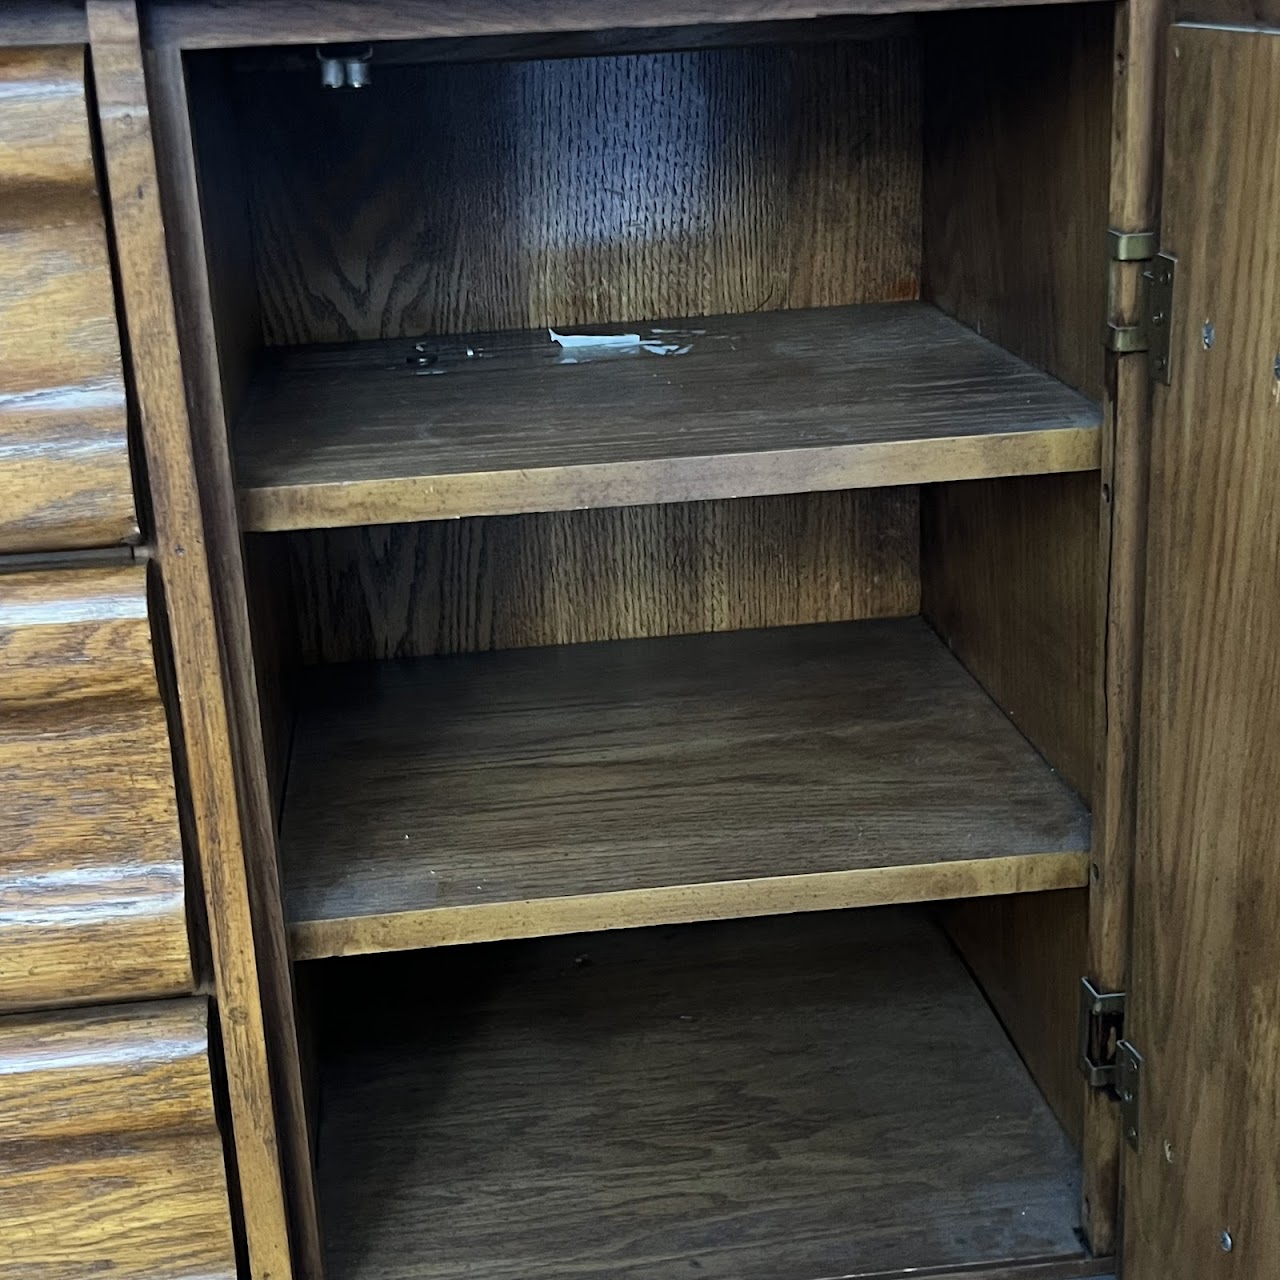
pixel 684 904
pixel 882 464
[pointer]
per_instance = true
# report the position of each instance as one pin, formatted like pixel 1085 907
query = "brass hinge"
pixel 1101 1030
pixel 1154 304
pixel 1107 1060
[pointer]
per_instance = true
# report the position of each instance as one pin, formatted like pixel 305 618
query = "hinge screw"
pixel 1226 1241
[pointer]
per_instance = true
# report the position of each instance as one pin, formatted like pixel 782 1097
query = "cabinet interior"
pixel 634 641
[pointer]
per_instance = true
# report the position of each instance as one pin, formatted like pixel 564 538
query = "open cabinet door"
pixel 1202 1190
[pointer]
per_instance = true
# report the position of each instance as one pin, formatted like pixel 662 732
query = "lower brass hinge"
pixel 1107 1060
pixel 1150 333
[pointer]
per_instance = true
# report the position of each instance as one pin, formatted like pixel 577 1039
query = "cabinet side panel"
pixel 1009 578
pixel 1017 110
pixel 1017 117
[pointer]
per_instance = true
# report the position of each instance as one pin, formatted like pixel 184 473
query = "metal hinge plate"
pixel 1132 246
pixel 1151 332
pixel 1159 278
pixel 1101 1030
pixel 1128 1083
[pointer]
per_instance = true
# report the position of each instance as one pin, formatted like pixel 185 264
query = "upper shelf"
pixel 637 782
pixel 721 407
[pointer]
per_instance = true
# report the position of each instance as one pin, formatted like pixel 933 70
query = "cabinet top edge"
pixel 216 24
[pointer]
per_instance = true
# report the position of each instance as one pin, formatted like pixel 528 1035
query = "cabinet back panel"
pixel 567 577
pixel 502 195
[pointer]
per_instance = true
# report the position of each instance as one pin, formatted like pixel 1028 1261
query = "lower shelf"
pixel 647 782
pixel 785 1099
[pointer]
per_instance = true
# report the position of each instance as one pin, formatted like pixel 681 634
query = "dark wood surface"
pixel 1137 126
pixel 769 403
pixel 763 1100
pixel 566 191
pixel 1017 129
pixel 509 582
pixel 43 22
pixel 64 459
pixel 92 880
pixel 197 559
pixel 1008 576
pixel 223 23
pixel 1205 1003
pixel 111 1162
pixel 1026 951
pixel 1017 132
pixel 600 43
pixel 554 790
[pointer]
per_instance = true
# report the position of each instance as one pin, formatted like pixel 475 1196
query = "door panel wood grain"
pixel 1202 1191
pixel 65 480
pixel 110 1158
pixel 92 883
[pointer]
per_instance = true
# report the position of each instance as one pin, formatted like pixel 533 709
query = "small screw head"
pixel 1227 1243
pixel 1207 335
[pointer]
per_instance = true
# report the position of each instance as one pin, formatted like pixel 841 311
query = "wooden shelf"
pixel 780 402
pixel 542 791
pixel 747 1100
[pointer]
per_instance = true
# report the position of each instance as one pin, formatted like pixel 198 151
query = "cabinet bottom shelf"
pixel 784 1099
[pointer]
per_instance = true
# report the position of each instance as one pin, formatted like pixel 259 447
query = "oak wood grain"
pixel 92 880
pixel 254 997
pixel 584 191
pixel 1009 580
pixel 1018 138
pixel 64 458
pixel 1009 577
pixel 1205 1008
pixel 590 787
pixel 1027 953
pixel 43 22
pixel 108 1071
pixel 1137 127
pixel 110 1158
pixel 770 403
pixel 1017 119
pixel 747 1099
pixel 208 24
pixel 400 591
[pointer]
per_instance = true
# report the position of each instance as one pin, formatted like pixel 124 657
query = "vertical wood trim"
pixel 1136 130
pixel 200 569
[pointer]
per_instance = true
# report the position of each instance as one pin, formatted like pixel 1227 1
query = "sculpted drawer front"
pixel 111 1161
pixel 64 460
pixel 92 884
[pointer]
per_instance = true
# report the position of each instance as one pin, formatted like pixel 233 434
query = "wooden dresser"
pixel 639 642
pixel 111 1150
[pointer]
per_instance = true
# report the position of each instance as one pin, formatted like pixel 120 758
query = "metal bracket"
pixel 1159 312
pixel 1151 333
pixel 1128 1083
pixel 1132 246
pixel 1101 1028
